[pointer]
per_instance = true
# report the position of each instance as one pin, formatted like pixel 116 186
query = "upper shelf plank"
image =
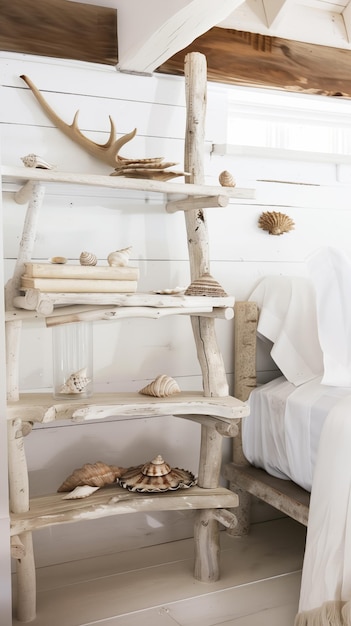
pixel 42 408
pixel 22 174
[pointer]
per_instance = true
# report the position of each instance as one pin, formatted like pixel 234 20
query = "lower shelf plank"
pixel 283 495
pixel 51 510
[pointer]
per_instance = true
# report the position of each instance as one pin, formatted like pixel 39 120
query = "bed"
pixel 293 452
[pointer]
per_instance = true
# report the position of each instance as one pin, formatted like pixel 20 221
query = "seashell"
pixel 226 179
pixel 206 285
pixel 87 258
pixel 83 491
pixel 119 257
pixel 58 260
pixel 76 382
pixel 34 160
pixel 161 387
pixel 275 223
pixel 173 291
pixel 156 475
pixel 92 474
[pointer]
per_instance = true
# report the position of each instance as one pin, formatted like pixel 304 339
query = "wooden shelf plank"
pixel 23 174
pixel 52 509
pixel 42 408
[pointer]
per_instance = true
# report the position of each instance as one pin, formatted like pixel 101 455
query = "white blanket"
pixel 325 597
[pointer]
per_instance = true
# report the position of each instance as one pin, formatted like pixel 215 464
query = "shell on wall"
pixel 87 258
pixel 276 223
pixel 93 474
pixel 161 387
pixel 119 257
pixel 206 285
pixel 156 476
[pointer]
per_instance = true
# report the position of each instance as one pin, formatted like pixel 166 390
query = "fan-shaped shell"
pixel 156 476
pixel 119 257
pixel 206 285
pixel 76 382
pixel 161 387
pixel 275 223
pixel 93 474
pixel 226 179
pixel 87 258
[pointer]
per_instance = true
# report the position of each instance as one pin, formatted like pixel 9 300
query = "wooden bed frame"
pixel 244 479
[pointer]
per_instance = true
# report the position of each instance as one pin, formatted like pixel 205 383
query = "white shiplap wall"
pixel 131 352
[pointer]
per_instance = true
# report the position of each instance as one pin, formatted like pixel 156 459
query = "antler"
pixel 107 152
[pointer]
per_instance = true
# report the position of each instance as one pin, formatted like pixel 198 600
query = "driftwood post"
pixel 210 359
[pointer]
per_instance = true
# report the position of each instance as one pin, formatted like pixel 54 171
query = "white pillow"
pixel 330 272
pixel 288 318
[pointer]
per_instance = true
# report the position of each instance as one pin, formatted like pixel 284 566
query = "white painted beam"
pixel 275 11
pixel 346 15
pixel 150 33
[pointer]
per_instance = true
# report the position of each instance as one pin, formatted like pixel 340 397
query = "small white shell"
pixel 83 491
pixel 34 160
pixel 76 383
pixel 87 258
pixel 171 291
pixel 119 257
pixel 226 179
pixel 161 387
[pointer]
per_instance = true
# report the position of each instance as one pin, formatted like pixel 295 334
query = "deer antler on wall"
pixel 107 152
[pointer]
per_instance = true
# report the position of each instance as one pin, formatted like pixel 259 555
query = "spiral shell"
pixel 275 223
pixel 87 258
pixel 226 179
pixel 93 474
pixel 76 382
pixel 119 257
pixel 206 285
pixel 161 387
pixel 34 160
pixel 156 475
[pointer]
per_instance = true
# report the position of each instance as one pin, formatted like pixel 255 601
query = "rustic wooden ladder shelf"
pixel 215 411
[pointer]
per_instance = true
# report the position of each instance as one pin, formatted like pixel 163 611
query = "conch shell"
pixel 275 223
pixel 119 257
pixel 226 179
pixel 34 160
pixel 161 387
pixel 156 475
pixel 93 474
pixel 76 383
pixel 206 285
pixel 87 258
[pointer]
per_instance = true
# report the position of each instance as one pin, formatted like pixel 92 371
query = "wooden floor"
pixel 259 586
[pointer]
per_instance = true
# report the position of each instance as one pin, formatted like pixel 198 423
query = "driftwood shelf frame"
pixel 217 413
pixel 244 479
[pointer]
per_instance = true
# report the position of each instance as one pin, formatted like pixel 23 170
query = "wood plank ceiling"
pixel 300 45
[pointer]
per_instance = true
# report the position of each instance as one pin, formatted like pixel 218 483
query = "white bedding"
pixel 282 432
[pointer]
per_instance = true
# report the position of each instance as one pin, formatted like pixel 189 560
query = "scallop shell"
pixel 76 382
pixel 206 285
pixel 161 387
pixel 93 474
pixel 119 257
pixel 275 223
pixel 226 179
pixel 34 160
pixel 87 258
pixel 156 475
